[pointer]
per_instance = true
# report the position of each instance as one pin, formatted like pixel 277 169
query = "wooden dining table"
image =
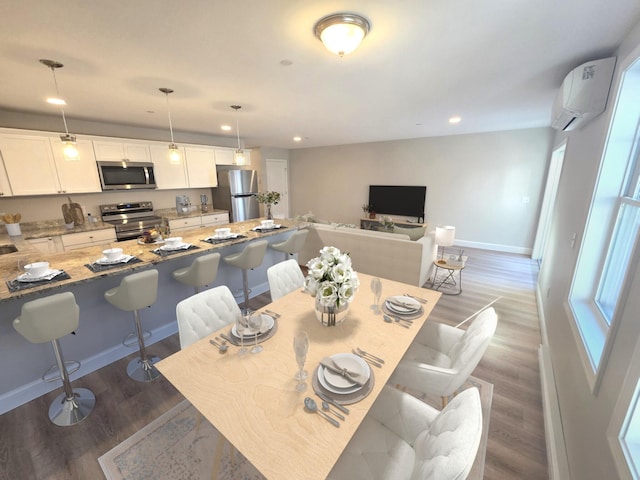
pixel 252 401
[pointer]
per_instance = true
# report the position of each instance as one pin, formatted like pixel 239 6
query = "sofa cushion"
pixel 414 233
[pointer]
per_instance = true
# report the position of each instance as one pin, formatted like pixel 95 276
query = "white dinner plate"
pixel 409 305
pixel 335 382
pixel 47 275
pixel 106 261
pixel 180 246
pixel 267 324
pixel 223 237
pixel 268 228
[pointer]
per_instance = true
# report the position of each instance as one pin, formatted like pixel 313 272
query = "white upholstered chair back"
pixel 284 277
pixel 135 291
pixel 442 357
pixel 204 313
pixel 404 438
pixel 45 319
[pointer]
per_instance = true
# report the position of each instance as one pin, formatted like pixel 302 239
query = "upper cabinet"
pixel 201 167
pixel 5 186
pixel 226 156
pixel 77 176
pixel 29 164
pixel 168 175
pixel 116 151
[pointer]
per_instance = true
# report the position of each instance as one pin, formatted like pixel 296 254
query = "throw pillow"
pixel 414 233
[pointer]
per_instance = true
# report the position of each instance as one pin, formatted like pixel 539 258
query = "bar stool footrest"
pixel 53 373
pixel 131 340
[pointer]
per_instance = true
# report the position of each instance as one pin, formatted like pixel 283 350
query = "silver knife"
pixel 228 339
pixel 332 402
pixel 421 300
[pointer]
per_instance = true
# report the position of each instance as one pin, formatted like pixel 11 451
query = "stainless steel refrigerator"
pixel 236 192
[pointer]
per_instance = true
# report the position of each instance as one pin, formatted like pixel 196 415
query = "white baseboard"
pixel 493 247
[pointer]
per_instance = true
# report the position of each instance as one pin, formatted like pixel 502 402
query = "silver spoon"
pixel 388 319
pixel 327 408
pixel 311 406
pixel 221 348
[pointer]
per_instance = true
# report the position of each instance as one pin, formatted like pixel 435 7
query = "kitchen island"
pixel 98 340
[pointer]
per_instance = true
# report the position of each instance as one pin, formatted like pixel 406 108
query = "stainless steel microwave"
pixel 126 175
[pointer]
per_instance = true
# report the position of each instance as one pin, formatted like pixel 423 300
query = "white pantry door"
pixel 278 181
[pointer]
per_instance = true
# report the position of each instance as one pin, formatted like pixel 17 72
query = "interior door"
pixel 278 181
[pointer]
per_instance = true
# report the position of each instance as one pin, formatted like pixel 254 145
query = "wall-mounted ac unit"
pixel 583 94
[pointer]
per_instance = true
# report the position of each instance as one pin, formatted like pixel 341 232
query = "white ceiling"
pixel 496 63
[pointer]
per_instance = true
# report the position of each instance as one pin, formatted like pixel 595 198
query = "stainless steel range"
pixel 130 219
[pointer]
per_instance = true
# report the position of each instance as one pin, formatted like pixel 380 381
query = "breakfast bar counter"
pixel 98 339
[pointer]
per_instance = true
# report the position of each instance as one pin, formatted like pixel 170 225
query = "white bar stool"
pixel 250 257
pixel 46 320
pixel 202 271
pixel 137 291
pixel 293 244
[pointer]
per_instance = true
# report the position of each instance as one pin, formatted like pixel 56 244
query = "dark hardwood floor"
pixel 31 447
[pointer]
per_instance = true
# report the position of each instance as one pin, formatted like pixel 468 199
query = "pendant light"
pixel 174 151
pixel 342 33
pixel 69 148
pixel 238 157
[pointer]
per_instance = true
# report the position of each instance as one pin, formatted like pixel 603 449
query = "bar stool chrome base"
pixel 66 411
pixel 143 370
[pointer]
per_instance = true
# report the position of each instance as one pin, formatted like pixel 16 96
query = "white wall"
pixel 475 182
pixel 585 417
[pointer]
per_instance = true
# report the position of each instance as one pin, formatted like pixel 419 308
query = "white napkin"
pixel 334 366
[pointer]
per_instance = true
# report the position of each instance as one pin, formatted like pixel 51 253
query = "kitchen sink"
pixel 7 249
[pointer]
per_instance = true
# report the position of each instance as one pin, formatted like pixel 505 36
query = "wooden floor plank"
pixel 31 448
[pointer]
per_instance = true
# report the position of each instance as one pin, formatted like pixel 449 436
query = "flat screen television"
pixel 398 199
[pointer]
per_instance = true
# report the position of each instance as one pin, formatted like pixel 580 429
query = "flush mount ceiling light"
pixel 341 33
pixel 174 151
pixel 69 148
pixel 238 157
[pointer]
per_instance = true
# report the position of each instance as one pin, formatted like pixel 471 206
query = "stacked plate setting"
pixel 402 305
pixel 179 246
pixel 265 329
pixel 341 384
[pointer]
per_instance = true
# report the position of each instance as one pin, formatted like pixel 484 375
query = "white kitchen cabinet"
pixel 117 151
pixel 168 175
pixel 76 176
pixel 74 241
pixel 5 186
pixel 226 156
pixel 29 164
pixel 47 245
pixel 215 219
pixel 201 167
pixel 184 224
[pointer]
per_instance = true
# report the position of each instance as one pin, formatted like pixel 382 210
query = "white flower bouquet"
pixel 331 279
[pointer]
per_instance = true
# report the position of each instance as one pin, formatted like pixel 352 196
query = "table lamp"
pixel 444 237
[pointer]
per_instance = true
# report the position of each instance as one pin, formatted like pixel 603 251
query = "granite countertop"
pixel 31 230
pixel 73 262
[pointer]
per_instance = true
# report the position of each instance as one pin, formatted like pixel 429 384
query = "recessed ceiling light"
pixel 226 128
pixel 454 120
pixel 297 139
pixel 56 101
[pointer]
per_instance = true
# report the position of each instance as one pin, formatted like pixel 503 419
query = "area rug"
pixel 180 444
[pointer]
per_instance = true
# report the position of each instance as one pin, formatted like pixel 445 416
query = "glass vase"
pixel 269 215
pixel 331 316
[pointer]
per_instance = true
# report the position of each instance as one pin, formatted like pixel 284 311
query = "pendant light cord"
pixel 55 81
pixel 169 113
pixel 238 132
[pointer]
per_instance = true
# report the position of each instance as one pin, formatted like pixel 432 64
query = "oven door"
pixel 126 175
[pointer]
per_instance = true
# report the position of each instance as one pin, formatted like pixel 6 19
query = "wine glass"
pixel 255 323
pixel 242 326
pixel 301 347
pixel 376 288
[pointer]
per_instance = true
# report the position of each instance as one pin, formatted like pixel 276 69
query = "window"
pixel 611 234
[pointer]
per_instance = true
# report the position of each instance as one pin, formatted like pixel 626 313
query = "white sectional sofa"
pixel 387 255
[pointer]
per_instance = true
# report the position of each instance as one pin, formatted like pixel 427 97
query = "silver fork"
pixel 377 359
pixel 367 359
pixel 273 314
pixel 418 299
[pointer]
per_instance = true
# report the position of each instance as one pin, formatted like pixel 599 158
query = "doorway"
pixel 278 181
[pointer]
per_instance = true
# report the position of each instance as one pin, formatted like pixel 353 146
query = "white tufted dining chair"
pixel 404 438
pixel 284 277
pixel 204 313
pixel 442 358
